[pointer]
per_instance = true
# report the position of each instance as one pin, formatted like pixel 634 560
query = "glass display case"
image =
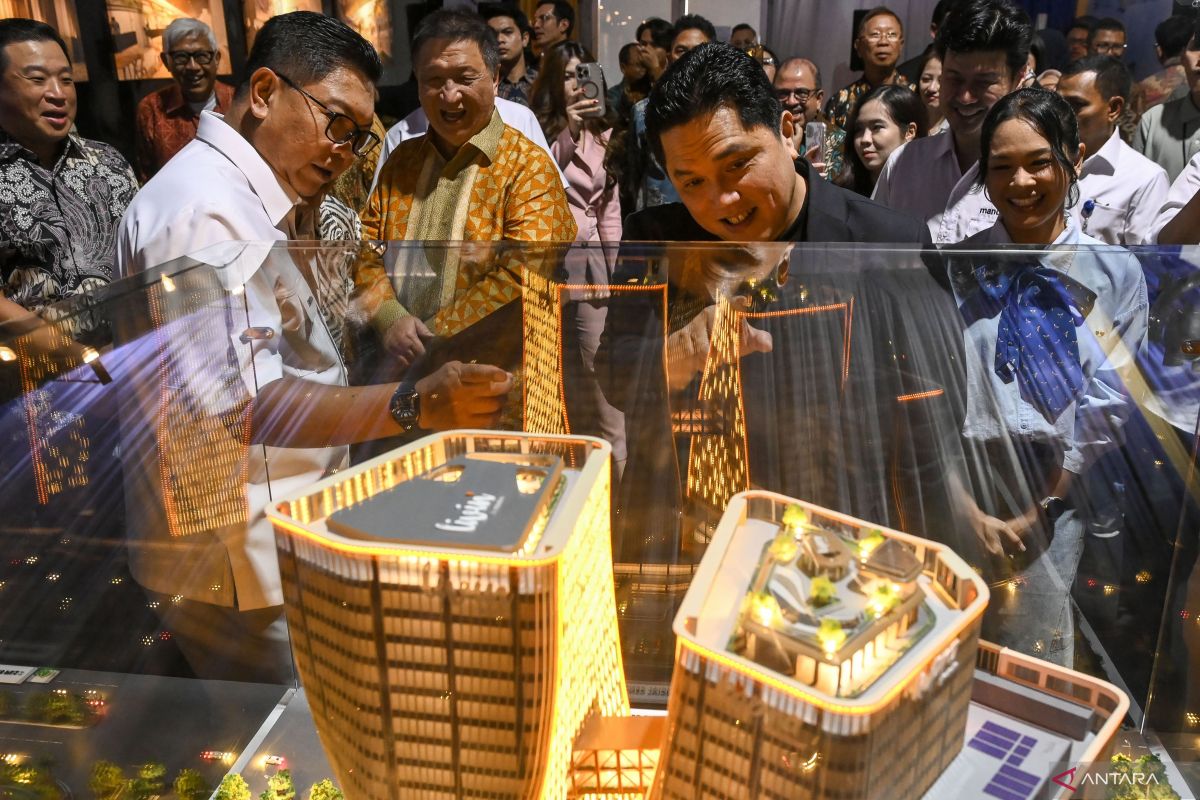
pixel 1031 416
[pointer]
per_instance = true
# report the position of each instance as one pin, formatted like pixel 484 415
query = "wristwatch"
pixel 1053 507
pixel 405 406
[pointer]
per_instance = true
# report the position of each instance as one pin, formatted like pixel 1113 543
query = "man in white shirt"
pixel 1178 220
pixel 416 124
pixel 1120 190
pixel 984 45
pixel 1169 134
pixel 243 396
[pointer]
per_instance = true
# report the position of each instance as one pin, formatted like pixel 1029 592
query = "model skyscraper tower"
pixel 819 656
pixel 452 614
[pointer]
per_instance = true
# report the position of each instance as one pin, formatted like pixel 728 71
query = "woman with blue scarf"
pixel 1052 317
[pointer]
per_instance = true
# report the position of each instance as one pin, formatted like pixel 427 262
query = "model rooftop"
pixel 832 607
pixel 486 495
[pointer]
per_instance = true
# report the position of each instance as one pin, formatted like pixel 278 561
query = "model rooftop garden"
pixel 825 593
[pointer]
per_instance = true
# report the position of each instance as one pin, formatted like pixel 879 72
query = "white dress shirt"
pixel 416 124
pixel 1182 190
pixel 1127 189
pixel 215 335
pixel 922 179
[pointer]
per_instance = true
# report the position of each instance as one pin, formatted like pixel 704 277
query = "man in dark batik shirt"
pixel 879 43
pixel 61 196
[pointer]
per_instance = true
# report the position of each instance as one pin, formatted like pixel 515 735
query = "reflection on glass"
pixel 58 14
pixel 137 29
pixel 840 375
pixel 259 11
pixel 373 21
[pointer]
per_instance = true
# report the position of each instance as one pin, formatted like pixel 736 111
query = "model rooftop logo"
pixel 471 514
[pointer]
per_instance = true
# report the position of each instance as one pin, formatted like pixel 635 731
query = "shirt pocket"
pixel 305 346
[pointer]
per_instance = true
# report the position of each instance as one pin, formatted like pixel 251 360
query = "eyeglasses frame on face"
pixel 1110 48
pixel 802 95
pixel 180 58
pixel 875 36
pixel 355 140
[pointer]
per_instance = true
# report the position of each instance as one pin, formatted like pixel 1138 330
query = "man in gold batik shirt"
pixel 469 178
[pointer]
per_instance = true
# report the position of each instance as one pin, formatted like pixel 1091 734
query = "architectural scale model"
pixel 819 656
pixel 452 614
pixel 454 624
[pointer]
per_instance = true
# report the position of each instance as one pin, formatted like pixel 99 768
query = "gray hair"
pixel 185 27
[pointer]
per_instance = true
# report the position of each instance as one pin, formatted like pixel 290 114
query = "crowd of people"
pixel 992 135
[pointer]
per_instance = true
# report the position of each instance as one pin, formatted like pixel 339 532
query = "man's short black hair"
pixel 987 25
pixel 1112 76
pixel 562 10
pixel 743 26
pixel 661 32
pixel 1173 34
pixel 457 26
pixel 492 10
pixel 1107 24
pixel 18 29
pixel 307 46
pixel 626 54
pixel 711 76
pixel 693 22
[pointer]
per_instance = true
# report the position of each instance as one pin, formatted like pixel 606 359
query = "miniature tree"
pixel 784 547
pixel 279 787
pixel 54 708
pixel 870 542
pixel 233 787
pixel 795 517
pixel 190 785
pixel 884 598
pixel 151 781
pixel 108 780
pixel 325 790
pixel 831 635
pixel 821 592
pixel 763 608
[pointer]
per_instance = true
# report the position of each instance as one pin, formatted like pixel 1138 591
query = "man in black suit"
pixel 725 140
pixel 825 352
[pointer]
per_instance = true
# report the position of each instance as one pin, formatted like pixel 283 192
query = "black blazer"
pixel 834 215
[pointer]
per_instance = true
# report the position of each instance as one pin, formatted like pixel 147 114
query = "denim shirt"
pixel 1113 330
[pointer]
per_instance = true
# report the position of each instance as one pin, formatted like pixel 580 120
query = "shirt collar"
pixel 487 141
pixel 10 148
pixel 1107 156
pixel 173 101
pixel 277 197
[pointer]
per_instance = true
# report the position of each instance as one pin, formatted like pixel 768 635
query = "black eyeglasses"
pixel 801 95
pixel 180 58
pixel 341 128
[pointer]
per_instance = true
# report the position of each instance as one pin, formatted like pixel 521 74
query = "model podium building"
pixel 819 656
pixel 452 614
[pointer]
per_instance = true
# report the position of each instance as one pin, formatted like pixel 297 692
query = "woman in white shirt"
pixel 1048 327
pixel 887 117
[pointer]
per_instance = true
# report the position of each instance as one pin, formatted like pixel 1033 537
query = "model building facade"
pixel 452 614
pixel 819 656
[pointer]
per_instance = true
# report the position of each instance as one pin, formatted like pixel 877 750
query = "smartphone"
pixel 814 134
pixel 590 79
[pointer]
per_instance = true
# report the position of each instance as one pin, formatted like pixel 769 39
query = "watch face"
pixel 406 407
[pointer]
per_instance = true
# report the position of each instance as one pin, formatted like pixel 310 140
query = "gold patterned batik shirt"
pixel 498 186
